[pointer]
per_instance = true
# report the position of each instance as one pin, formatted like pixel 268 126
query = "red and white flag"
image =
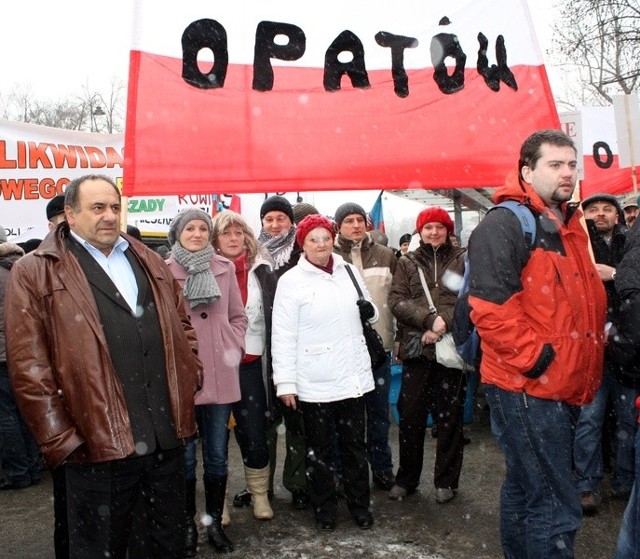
pixel 602 172
pixel 254 96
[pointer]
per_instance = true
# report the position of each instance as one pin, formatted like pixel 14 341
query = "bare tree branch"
pixel 90 110
pixel 600 39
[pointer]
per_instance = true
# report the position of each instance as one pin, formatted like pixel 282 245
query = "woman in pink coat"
pixel 214 305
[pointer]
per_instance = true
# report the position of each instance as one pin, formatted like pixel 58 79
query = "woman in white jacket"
pixel 321 365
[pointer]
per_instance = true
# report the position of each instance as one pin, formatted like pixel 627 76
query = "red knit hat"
pixel 309 223
pixel 434 214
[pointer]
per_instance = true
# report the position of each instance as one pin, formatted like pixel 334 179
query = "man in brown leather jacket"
pixel 104 365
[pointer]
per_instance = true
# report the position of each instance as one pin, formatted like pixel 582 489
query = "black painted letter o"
pixel 597 157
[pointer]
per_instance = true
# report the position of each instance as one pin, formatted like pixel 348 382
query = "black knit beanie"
pixel 348 209
pixel 276 204
pixel 406 238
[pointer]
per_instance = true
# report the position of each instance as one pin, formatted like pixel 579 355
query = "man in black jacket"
pixel 624 345
pixel 605 221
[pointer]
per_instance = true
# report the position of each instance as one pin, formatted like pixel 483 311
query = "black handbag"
pixel 377 353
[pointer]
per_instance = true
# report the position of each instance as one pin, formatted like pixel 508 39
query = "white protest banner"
pixel 602 172
pixel 37 162
pixel 257 96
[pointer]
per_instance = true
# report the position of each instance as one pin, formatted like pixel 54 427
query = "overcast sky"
pixel 57 47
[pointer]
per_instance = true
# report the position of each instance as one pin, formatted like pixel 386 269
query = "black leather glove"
pixel 366 309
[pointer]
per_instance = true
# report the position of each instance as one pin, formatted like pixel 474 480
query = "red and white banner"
pixel 254 96
pixel 595 129
pixel 37 163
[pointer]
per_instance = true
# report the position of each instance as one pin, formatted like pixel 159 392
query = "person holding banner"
pixel 234 239
pixel 607 234
pixel 214 306
pixel 321 366
pixel 278 236
pixel 104 365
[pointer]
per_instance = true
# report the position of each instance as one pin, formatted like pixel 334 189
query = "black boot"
pixel 191 529
pixel 214 494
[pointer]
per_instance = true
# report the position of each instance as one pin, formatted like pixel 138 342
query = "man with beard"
pixel 607 234
pixel 540 314
pixel 630 209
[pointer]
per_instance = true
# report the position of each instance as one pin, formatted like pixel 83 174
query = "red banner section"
pixel 330 108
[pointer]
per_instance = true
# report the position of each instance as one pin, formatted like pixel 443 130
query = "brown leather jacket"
pixel 63 378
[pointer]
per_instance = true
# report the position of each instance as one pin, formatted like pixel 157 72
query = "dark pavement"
pixel 418 527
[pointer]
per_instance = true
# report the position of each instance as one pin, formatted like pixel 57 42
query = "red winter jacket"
pixel 540 314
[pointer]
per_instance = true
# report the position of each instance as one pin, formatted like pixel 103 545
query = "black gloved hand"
pixel 366 309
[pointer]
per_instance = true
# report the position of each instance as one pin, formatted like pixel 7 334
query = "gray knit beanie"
pixel 180 221
pixel 302 210
pixel 348 209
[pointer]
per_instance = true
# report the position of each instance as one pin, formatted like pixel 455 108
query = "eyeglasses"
pixel 319 240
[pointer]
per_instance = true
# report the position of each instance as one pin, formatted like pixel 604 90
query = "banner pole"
pixel 124 214
pixel 634 174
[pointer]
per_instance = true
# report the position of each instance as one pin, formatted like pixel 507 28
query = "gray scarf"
pixel 201 287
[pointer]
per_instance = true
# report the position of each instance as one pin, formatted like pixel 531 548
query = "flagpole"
pixel 124 214
pixel 634 172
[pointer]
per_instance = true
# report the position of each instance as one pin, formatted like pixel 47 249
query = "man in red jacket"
pixel 540 314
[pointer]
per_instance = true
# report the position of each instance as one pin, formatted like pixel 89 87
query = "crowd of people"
pixel 243 331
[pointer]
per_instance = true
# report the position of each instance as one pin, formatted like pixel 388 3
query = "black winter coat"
pixel 624 336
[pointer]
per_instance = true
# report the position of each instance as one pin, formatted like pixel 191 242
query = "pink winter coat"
pixel 220 328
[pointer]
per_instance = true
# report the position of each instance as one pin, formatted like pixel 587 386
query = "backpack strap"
pixel 525 217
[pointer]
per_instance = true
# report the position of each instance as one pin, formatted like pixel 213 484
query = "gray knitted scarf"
pixel 201 287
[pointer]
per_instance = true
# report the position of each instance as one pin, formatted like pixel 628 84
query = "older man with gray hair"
pixel 103 361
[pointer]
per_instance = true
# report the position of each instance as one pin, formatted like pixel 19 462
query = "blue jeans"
pixel 587 446
pixel 250 414
pixel 629 536
pixel 377 406
pixel 19 453
pixel 214 436
pixel 540 509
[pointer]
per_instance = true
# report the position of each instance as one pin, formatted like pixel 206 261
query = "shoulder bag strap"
pixel 355 281
pixel 423 281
